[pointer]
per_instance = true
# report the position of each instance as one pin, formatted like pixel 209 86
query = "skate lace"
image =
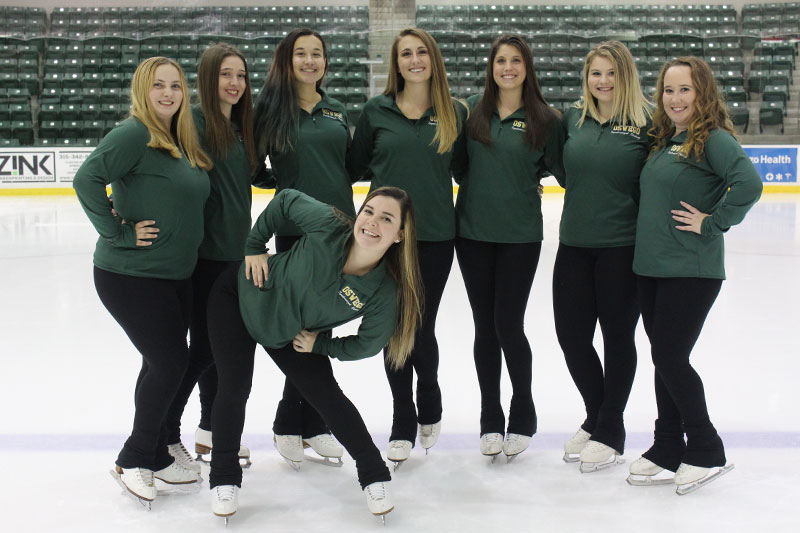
pixel 224 492
pixel 182 455
pixel 376 491
pixel 145 476
pixel 396 445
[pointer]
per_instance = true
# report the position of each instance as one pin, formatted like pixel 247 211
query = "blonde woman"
pixel 606 146
pixel 697 183
pixel 405 138
pixel 145 256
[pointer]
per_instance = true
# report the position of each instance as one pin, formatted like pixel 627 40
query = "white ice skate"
pixel 644 473
pixel 398 452
pixel 573 447
pixel 378 501
pixel 327 448
pixel 182 478
pixel 291 449
pixel 202 446
pixel 689 478
pixel 429 434
pixel 225 501
pixel 597 456
pixel 138 482
pixel 182 457
pixel 492 445
pixel 514 445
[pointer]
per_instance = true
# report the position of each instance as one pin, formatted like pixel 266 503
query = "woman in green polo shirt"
pixel 697 183
pixel 305 134
pixel 593 281
pixel 224 124
pixel 513 138
pixel 145 256
pixel 338 271
pixel 405 138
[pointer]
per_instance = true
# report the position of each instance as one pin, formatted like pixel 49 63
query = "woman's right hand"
pixel 145 232
pixel 258 267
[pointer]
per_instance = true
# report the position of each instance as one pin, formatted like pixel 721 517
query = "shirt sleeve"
pixel 558 164
pixel 554 148
pixel 359 156
pixel 729 161
pixel 377 327
pixel 264 178
pixel 307 213
pixel 114 158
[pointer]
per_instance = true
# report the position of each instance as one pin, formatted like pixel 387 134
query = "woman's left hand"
pixel 304 341
pixel 692 217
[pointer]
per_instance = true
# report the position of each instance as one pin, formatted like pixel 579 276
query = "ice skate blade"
pixel 682 490
pixel 510 458
pixel 294 464
pixel 636 480
pixel 587 468
pixel 492 457
pixel 571 458
pixel 327 461
pixel 144 502
pixel 397 465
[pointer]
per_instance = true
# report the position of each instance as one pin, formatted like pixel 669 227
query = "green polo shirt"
pixel 498 198
pixel 602 163
pixel 724 184
pixel 227 212
pixel 315 164
pixel 147 184
pixel 306 289
pixel 390 149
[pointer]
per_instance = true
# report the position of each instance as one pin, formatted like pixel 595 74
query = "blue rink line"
pixel 454 442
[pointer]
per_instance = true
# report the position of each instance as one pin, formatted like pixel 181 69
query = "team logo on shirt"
pixel 633 131
pixel 352 299
pixel 433 120
pixel 519 125
pixel 332 114
pixel 677 149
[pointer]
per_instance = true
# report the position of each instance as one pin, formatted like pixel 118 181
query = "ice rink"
pixel 68 372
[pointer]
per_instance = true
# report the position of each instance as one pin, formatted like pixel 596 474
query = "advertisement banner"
pixel 42 167
pixel 776 164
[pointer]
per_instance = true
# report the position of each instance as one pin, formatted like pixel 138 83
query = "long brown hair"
pixel 710 111
pixel 538 114
pixel 403 265
pixel 277 108
pixel 220 136
pixel 630 106
pixel 183 135
pixel 448 120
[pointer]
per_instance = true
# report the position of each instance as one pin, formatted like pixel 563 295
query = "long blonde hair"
pixel 448 121
pixel 403 265
pixel 710 111
pixel 183 137
pixel 630 106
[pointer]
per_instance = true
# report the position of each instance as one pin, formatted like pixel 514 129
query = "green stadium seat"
pixel 770 114
pixel 735 93
pixel 23 131
pixel 757 80
pixel 740 114
pixel 780 77
pixel 778 93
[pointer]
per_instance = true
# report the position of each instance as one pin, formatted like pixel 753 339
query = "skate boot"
pixel 492 445
pixel 182 457
pixel 378 501
pixel 689 478
pixel 514 445
pixel 202 446
pixel 225 501
pixel 429 434
pixel 327 448
pixel 291 449
pixel 645 472
pixel 176 474
pixel 573 447
pixel 138 482
pixel 398 452
pixel 597 456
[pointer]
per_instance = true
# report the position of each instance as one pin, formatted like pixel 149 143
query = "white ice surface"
pixel 66 390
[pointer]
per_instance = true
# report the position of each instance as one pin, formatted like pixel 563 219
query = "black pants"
pixel 435 261
pixel 592 285
pixel 155 315
pixel 294 415
pixel 200 359
pixel 312 374
pixel 498 278
pixel 674 311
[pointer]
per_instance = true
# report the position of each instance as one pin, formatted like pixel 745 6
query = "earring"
pixel 398 240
